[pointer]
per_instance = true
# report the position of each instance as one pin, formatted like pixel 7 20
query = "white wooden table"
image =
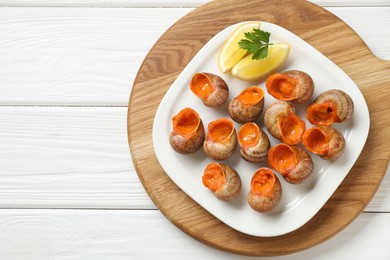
pixel 68 188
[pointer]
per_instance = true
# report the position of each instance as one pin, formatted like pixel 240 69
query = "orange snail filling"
pixel 316 141
pixel 282 158
pixel 322 113
pixel 282 87
pixel 251 96
pixel 292 128
pixel 221 130
pixel 214 177
pixel 186 123
pixel 263 182
pixel 249 135
pixel 201 86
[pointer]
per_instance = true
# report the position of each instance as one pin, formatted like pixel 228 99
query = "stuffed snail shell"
pixel 332 106
pixel 283 124
pixel 222 180
pixel 188 132
pixel 221 139
pixel 254 142
pixel 325 141
pixel 210 88
pixel 265 191
pixel 294 163
pixel 293 85
pixel 247 106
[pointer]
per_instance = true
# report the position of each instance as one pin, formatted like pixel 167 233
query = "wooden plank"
pixel 165 3
pixel 90 234
pixel 104 3
pixel 381 200
pixel 360 19
pixel 156 74
pixel 55 157
pixel 75 56
pixel 351 2
pixel 90 56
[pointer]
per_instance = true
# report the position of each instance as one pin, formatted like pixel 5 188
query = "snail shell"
pixel 325 141
pixel 188 132
pixel 283 124
pixel 247 106
pixel 222 180
pixel 332 106
pixel 293 85
pixel 221 139
pixel 254 142
pixel 210 88
pixel 292 162
pixel 266 191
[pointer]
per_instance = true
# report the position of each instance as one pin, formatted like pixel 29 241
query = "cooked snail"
pixel 283 124
pixel 293 85
pixel 210 88
pixel 332 106
pixel 221 139
pixel 292 162
pixel 247 106
pixel 254 142
pixel 222 180
pixel 188 132
pixel 325 141
pixel 265 191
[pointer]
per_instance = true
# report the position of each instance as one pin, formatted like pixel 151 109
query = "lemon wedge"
pixel 230 53
pixel 248 69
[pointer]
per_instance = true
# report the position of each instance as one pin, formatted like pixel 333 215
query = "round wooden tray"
pixel 326 33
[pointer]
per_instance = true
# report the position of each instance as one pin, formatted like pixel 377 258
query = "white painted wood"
pixel 90 56
pixel 381 201
pixel 56 157
pixel 371 24
pixel 77 158
pixel 90 234
pixel 104 3
pixel 166 3
pixel 75 56
pixel 53 157
pixel 351 3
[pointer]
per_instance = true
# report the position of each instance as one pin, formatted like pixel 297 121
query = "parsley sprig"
pixel 257 43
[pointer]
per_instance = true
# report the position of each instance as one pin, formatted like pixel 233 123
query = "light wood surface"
pixel 68 187
pixel 321 29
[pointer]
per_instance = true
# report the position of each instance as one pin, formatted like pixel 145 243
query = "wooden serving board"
pixel 324 31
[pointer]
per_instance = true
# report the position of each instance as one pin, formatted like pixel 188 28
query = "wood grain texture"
pixel 90 56
pixel 318 27
pixel 124 234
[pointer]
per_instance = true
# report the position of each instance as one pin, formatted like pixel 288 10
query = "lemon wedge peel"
pixel 231 53
pixel 248 69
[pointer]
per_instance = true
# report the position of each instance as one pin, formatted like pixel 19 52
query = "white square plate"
pixel 299 202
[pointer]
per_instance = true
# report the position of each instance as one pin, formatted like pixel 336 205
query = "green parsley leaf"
pixel 257 43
